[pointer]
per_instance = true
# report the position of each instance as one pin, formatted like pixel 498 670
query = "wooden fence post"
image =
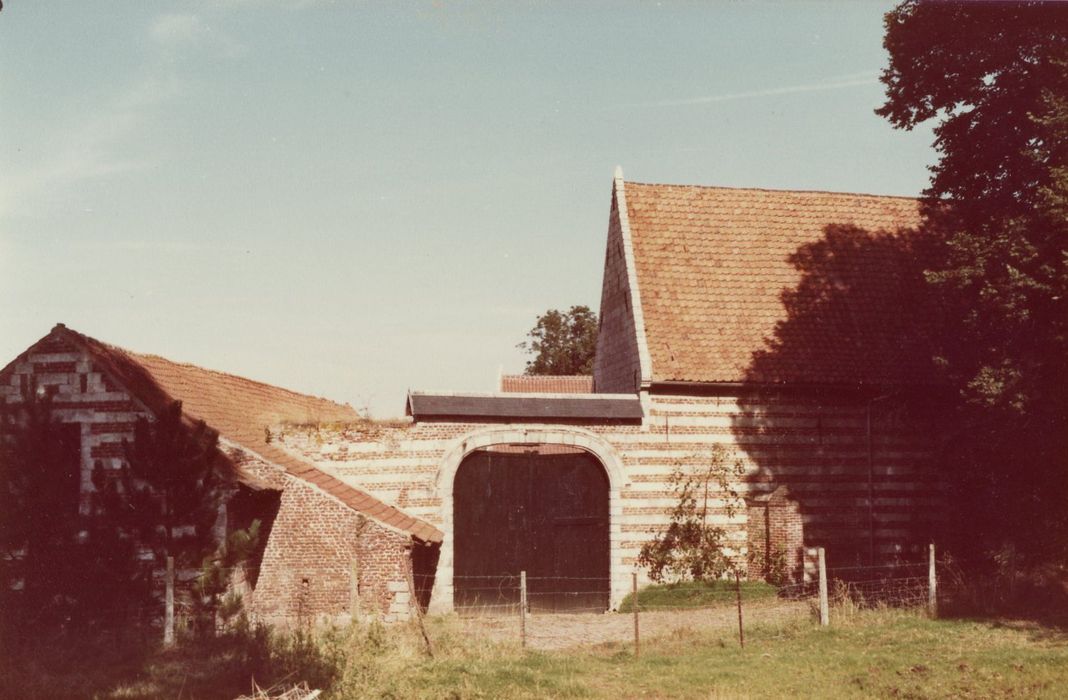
pixel 168 617
pixel 825 609
pixel 416 609
pixel 738 594
pixel 932 582
pixel 354 589
pixel 523 608
pixel 634 603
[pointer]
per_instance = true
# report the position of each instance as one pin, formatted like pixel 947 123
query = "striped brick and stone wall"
pixel 817 447
pixel 306 566
pixel 84 395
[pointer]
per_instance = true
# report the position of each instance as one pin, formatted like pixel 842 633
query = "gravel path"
pixel 562 630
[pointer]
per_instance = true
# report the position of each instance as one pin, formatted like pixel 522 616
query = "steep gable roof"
pixel 765 286
pixel 241 410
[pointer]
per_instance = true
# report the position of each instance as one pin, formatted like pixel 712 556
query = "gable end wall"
pixel 106 412
pixel 617 365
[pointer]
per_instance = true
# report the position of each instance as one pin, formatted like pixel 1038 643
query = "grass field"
pixel 865 654
pixel 873 654
pixel 696 594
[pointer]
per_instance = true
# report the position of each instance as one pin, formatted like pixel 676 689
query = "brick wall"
pixel 306 569
pixel 775 536
pixel 817 446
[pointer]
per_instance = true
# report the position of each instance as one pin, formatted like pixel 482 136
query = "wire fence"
pixel 549 612
pixel 542 611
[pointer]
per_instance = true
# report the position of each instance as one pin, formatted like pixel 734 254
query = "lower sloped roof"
pixel 242 410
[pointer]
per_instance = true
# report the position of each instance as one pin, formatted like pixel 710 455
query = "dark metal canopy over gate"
pixel 540 511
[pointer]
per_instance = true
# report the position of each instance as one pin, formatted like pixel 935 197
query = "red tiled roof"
pixel 240 410
pixel 778 286
pixel 547 384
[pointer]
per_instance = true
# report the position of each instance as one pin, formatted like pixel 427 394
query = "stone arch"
pixel 606 454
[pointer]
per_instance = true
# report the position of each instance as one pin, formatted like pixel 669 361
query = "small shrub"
pixel 690 547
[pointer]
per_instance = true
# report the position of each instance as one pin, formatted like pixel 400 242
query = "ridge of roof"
pixel 156 381
pixel 774 190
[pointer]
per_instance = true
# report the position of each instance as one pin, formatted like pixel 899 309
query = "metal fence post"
pixel 738 593
pixel 168 617
pixel 523 608
pixel 634 603
pixel 825 610
pixel 932 582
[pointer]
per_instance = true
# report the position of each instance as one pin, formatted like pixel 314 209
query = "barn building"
pixel 789 327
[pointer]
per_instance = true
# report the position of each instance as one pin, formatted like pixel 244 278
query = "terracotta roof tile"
pixel 241 409
pixel 779 286
pixel 545 384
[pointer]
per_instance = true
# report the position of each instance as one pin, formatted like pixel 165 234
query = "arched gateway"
pixel 530 498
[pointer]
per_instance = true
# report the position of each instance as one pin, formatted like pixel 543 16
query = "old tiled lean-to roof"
pixel 715 266
pixel 547 384
pixel 241 410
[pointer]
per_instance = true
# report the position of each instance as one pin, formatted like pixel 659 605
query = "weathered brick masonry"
pixel 306 572
pixel 322 527
pixel 85 396
pixel 819 449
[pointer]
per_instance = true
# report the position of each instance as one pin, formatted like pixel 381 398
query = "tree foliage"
pixel 172 480
pixel 994 79
pixel 562 342
pixel 71 558
pixel 691 547
pixel 38 554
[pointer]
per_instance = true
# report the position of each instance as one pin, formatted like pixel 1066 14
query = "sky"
pixel 355 199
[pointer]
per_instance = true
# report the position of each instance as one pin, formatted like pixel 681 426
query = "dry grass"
pixel 866 653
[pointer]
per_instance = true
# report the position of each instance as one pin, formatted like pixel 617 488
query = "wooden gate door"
pixel 546 514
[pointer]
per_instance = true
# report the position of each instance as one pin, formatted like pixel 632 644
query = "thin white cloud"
pixel 180 31
pixel 85 149
pixel 837 83
pixel 285 4
pixel 177 29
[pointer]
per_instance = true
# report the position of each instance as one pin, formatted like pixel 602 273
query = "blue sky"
pixel 355 198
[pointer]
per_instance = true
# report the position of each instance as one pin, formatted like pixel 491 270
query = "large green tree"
pixel 993 78
pixel 562 342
